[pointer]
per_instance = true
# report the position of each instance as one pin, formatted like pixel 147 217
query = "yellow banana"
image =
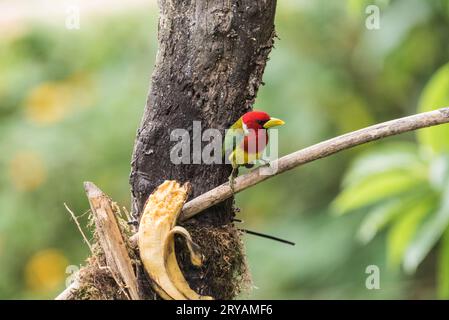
pixel 156 242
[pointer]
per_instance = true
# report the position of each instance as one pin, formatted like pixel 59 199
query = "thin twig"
pixel 267 236
pixel 84 213
pixel 127 215
pixel 120 284
pixel 130 220
pixel 315 152
pixel 79 227
pixel 70 291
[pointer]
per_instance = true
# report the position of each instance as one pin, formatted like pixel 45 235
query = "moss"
pixel 96 282
pixel 224 273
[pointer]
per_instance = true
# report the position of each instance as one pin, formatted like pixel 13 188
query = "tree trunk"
pixel 211 57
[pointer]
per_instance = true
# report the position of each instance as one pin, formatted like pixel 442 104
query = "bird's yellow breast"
pixel 240 157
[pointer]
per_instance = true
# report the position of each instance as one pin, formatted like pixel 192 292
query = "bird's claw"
pixel 234 173
pixel 265 162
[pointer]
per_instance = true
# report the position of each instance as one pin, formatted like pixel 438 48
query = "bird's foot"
pixel 234 174
pixel 264 162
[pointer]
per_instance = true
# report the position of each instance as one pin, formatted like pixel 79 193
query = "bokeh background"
pixel 71 100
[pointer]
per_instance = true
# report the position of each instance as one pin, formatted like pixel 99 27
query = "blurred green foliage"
pixel 71 100
pixel 405 188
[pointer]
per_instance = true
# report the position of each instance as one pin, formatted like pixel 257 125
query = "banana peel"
pixel 156 235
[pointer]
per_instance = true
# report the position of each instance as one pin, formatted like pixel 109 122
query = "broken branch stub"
pixel 111 240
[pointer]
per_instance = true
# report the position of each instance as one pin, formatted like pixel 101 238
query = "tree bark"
pixel 209 65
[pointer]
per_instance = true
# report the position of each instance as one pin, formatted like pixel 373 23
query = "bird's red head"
pixel 260 120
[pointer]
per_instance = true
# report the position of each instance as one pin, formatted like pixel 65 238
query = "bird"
pixel 246 140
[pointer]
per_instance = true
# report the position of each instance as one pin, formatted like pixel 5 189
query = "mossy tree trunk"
pixel 211 57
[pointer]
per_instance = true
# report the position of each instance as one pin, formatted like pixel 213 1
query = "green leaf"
pixel 427 236
pixel 390 156
pixel 376 188
pixel 403 230
pixel 439 172
pixel 443 267
pixel 385 212
pixel 435 95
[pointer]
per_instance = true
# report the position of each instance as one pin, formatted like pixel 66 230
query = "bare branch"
pixel 69 292
pixel 315 152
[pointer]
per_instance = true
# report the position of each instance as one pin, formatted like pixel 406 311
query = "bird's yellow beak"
pixel 273 122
